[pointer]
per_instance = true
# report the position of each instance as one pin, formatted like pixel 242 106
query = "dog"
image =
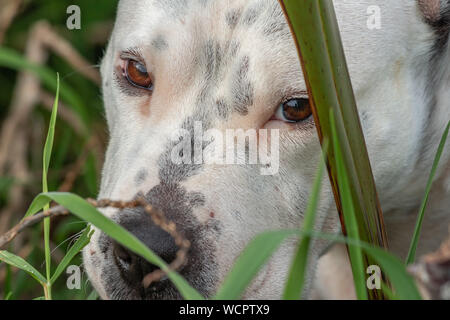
pixel 189 66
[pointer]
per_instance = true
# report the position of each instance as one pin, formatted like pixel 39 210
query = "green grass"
pixel 350 221
pixel 296 279
pixel 415 239
pixel 46 163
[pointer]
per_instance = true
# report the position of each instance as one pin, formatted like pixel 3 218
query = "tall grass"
pixel 46 163
pixel 415 240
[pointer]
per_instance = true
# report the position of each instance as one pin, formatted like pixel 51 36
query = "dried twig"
pixel 30 221
pixel 8 11
pixel 27 93
pixel 63 48
pixel 156 216
pixel 25 97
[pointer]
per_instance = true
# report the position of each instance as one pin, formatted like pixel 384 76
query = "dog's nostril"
pixel 134 268
pixel 122 254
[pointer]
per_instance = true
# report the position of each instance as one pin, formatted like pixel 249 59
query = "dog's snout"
pixel 133 267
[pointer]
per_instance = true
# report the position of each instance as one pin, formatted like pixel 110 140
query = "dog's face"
pixel 176 68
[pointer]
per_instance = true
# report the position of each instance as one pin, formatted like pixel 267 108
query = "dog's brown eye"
pixel 137 75
pixel 294 110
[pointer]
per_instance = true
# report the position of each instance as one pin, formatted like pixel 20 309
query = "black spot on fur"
pixel 242 88
pixel 173 173
pixel 232 17
pixel 252 14
pixel 141 176
pixel 234 48
pixel 213 58
pixel 159 43
pixel 222 108
pixel 196 199
pixel 104 243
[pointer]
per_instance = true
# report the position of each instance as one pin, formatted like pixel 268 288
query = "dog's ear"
pixel 432 9
pixel 437 14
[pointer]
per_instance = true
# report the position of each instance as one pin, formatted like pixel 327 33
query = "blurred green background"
pixel 80 129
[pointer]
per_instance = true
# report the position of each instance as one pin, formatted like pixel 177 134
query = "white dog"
pixel 175 65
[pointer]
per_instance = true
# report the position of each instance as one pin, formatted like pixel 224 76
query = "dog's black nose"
pixel 133 267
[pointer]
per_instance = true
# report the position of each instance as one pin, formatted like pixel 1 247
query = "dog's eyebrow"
pixel 133 53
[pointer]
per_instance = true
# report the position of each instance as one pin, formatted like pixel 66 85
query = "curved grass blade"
pixel 247 265
pixel 415 239
pixel 81 242
pixel 93 295
pixel 36 205
pixel 20 263
pixel 84 210
pixel 296 279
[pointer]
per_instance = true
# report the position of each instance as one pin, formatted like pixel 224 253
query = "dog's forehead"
pixel 259 28
pixel 191 22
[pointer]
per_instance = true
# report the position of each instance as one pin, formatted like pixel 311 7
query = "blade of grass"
pixel 84 210
pixel 250 261
pixel 415 239
pixel 351 224
pixel 93 295
pixel 81 242
pixel 20 263
pixel 387 291
pixel 247 265
pixel 296 279
pixel 46 163
pixel 7 282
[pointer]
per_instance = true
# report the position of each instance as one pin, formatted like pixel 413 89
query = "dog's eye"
pixel 136 73
pixel 294 110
